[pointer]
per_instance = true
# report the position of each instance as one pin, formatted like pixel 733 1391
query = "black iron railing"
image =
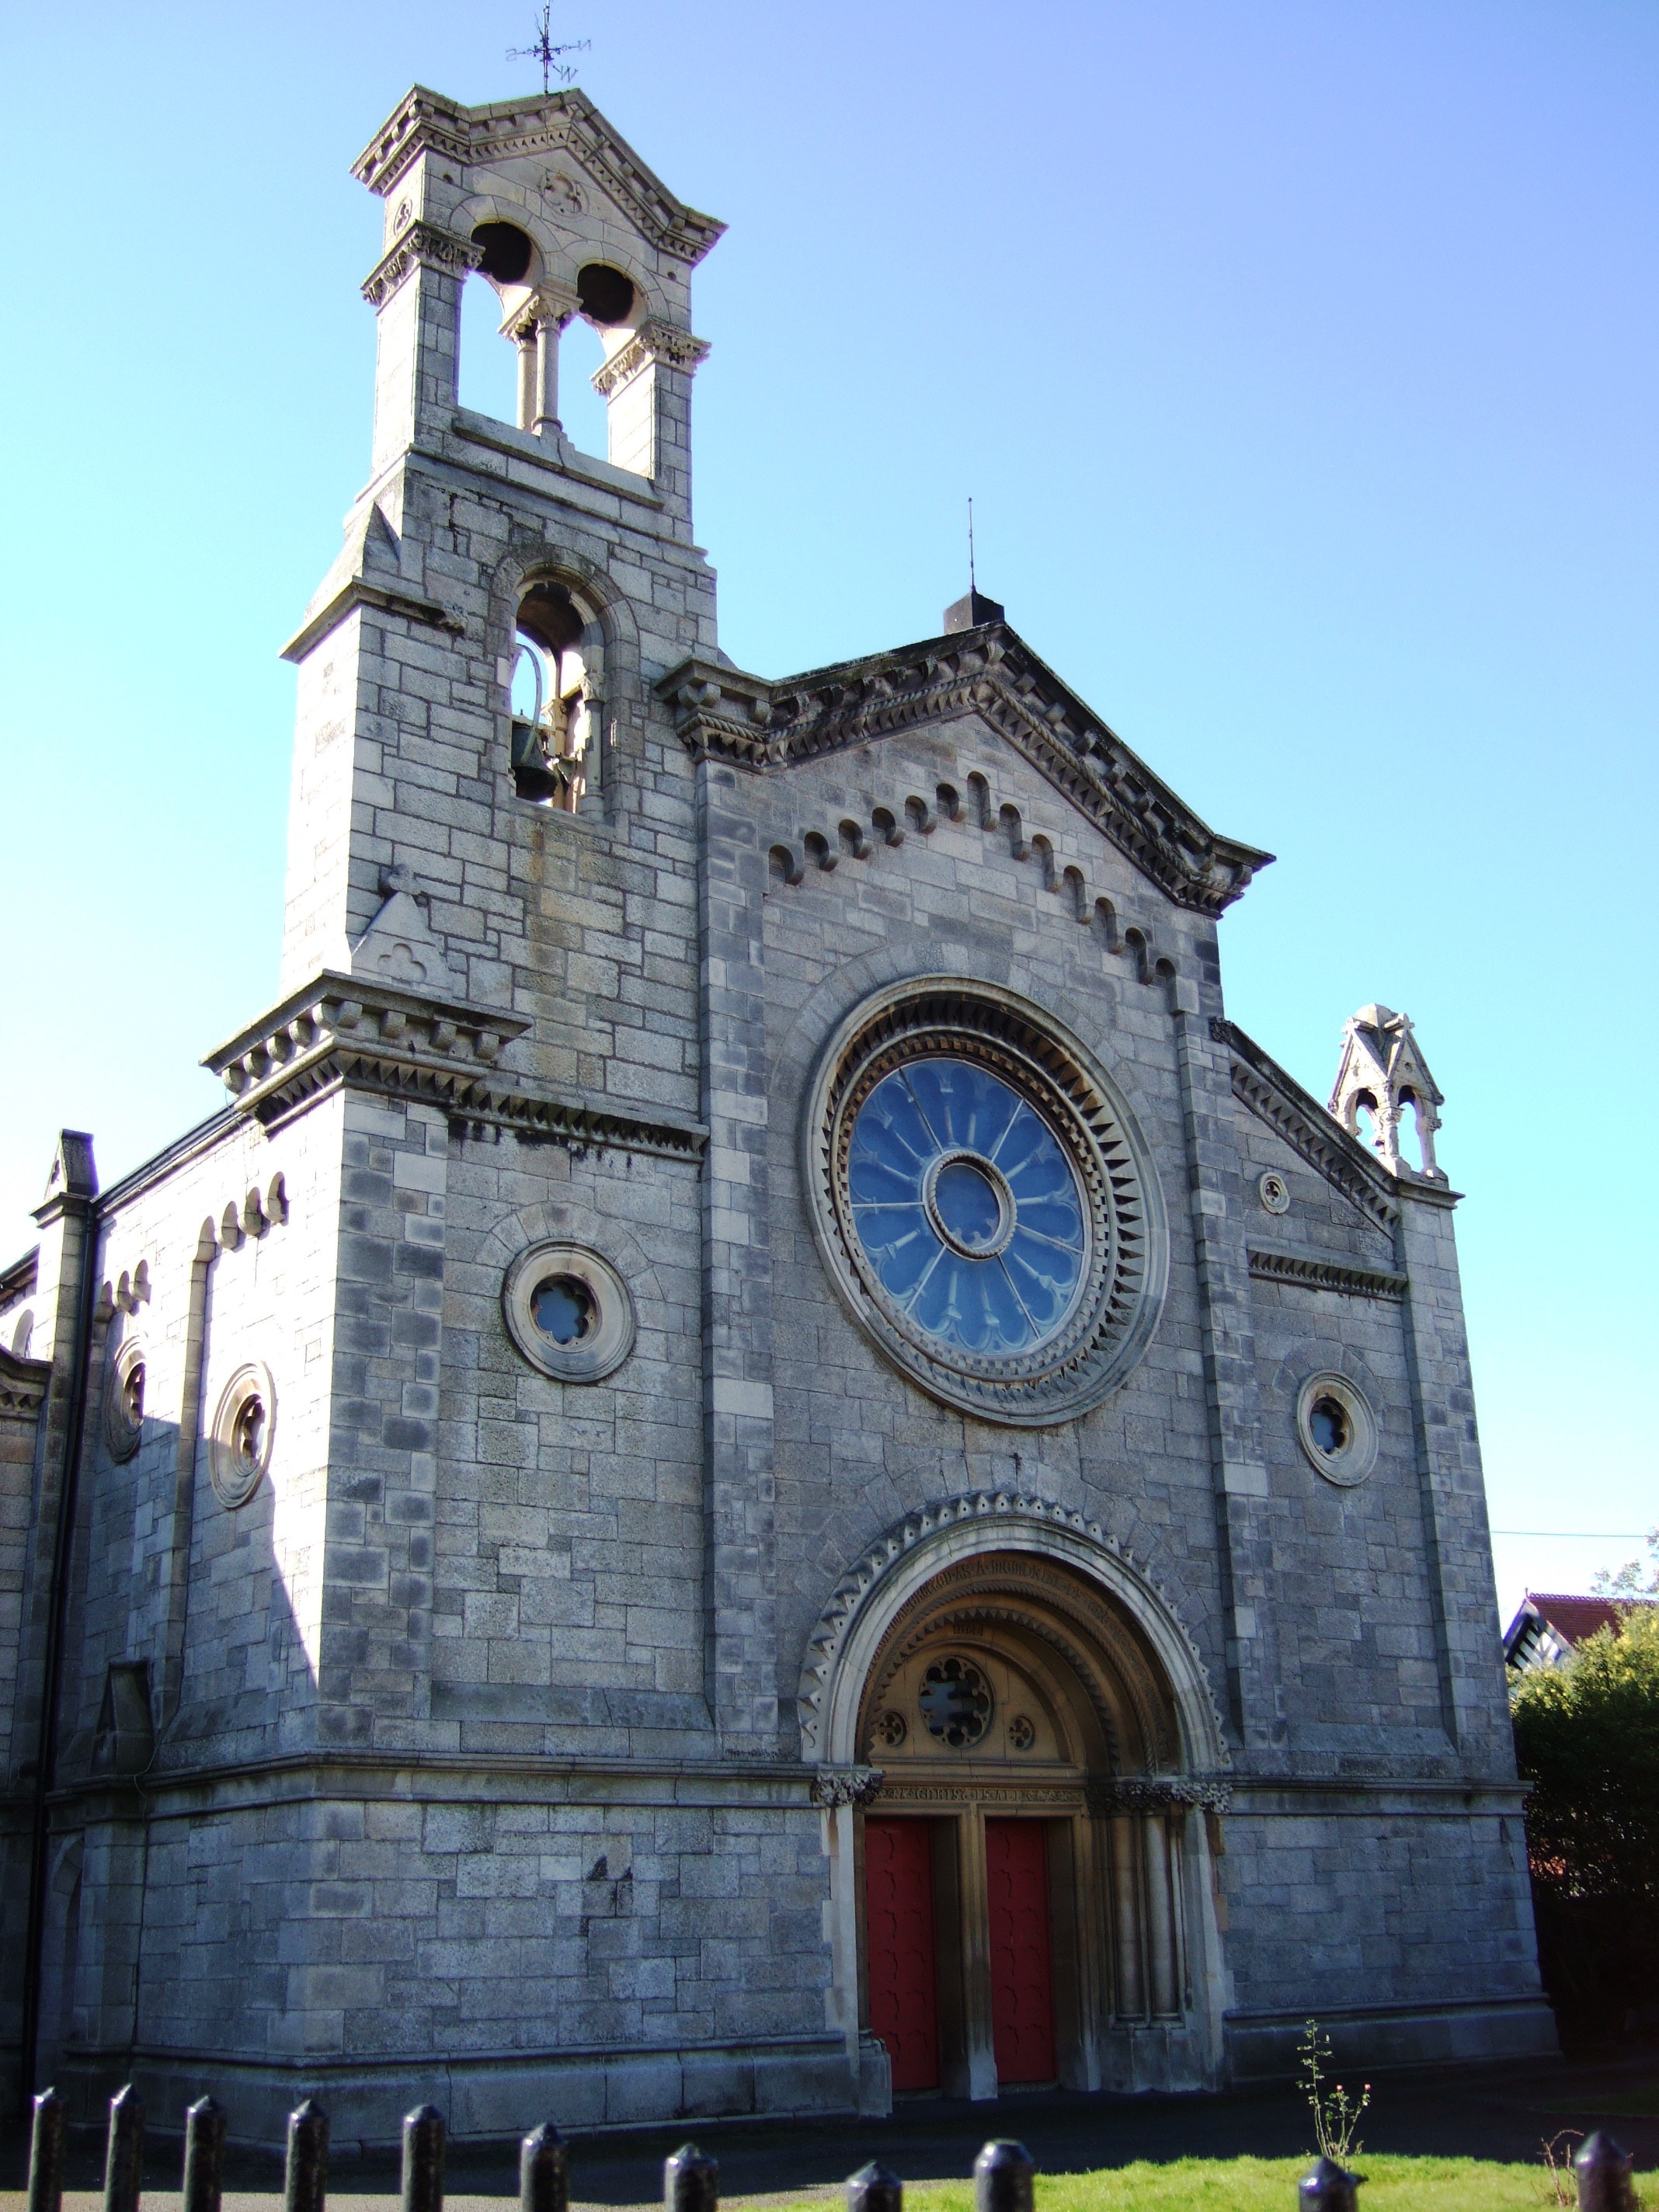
pixel 1004 2172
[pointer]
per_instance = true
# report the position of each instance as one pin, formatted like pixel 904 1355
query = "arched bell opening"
pixel 556 698
pixel 1033 1871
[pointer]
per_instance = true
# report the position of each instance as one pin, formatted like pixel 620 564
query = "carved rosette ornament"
pixel 846 1785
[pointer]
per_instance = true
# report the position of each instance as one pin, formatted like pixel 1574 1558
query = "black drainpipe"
pixel 62 1541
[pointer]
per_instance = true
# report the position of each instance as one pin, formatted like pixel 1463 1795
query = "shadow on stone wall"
pixel 166 1674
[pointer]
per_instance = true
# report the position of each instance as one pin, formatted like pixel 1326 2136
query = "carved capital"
pixel 549 304
pixel 653 342
pixel 846 1785
pixel 423 245
pixel 1156 1793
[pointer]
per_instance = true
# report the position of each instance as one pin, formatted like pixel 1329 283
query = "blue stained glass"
pixel 967 1203
pixel 1053 1217
pixel 1007 1301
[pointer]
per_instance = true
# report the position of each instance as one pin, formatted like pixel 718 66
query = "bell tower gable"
pixel 560 216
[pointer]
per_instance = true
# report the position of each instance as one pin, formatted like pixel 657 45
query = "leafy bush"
pixel 1587 1738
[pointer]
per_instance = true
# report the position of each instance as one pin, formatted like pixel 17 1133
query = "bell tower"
pixel 490 946
pixel 484 646
pixel 563 219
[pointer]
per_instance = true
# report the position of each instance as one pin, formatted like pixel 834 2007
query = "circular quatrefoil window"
pixel 956 1703
pixel 984 1202
pixel 1336 1428
pixel 568 1312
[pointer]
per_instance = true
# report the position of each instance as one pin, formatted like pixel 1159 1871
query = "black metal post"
pixel 46 2138
pixel 690 2181
pixel 874 2188
pixel 424 2160
pixel 305 2184
pixel 1003 2173
pixel 204 2156
pixel 544 2171
pixel 1328 2187
pixel 1603 2170
pixel 124 2160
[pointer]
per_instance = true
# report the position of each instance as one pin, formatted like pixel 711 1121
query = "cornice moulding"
pixel 723 714
pixel 424 122
pixel 1317 1273
pixel 357 591
pixel 406 1044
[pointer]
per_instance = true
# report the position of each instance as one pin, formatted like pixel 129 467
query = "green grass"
pixel 1268 2185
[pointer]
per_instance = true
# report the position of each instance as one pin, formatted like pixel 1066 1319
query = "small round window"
pixel 244 1428
pixel 955 1700
pixel 1336 1428
pixel 124 1403
pixel 564 1308
pixel 568 1312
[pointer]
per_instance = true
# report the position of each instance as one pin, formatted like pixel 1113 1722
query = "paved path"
pixel 1497 2112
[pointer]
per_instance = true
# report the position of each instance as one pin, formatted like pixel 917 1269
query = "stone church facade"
pixel 761 1463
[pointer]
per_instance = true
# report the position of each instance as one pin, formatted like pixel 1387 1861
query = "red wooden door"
pixel 1022 1963
pixel 899 1905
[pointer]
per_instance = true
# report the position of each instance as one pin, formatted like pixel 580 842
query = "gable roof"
pixel 1549 1624
pixel 723 713
pixel 424 121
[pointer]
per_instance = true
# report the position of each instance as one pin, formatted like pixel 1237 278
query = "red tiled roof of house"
pixel 1573 1619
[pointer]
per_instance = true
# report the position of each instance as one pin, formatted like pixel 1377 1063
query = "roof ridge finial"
pixel 971 612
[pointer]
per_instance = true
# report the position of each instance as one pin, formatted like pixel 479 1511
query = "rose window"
pixel 985 1201
pixel 966 1207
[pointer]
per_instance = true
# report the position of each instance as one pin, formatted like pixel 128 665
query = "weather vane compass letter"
pixel 547 53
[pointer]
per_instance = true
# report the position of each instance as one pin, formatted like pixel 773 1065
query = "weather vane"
pixel 547 53
pixel 973 582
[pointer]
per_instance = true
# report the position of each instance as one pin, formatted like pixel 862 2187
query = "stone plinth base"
pixel 1261 2047
pixel 484 2098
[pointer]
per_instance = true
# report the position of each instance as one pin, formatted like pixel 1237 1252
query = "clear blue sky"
pixel 1299 355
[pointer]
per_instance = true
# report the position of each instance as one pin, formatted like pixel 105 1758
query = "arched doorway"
pixel 1029 1884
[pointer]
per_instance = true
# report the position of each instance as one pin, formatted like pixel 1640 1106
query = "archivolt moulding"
pixel 868 1598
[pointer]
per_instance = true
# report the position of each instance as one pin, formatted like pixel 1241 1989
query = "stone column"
pixel 524 337
pixel 545 420
pixel 979 2032
pixel 1128 1976
pixel 536 327
pixel 1161 1944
